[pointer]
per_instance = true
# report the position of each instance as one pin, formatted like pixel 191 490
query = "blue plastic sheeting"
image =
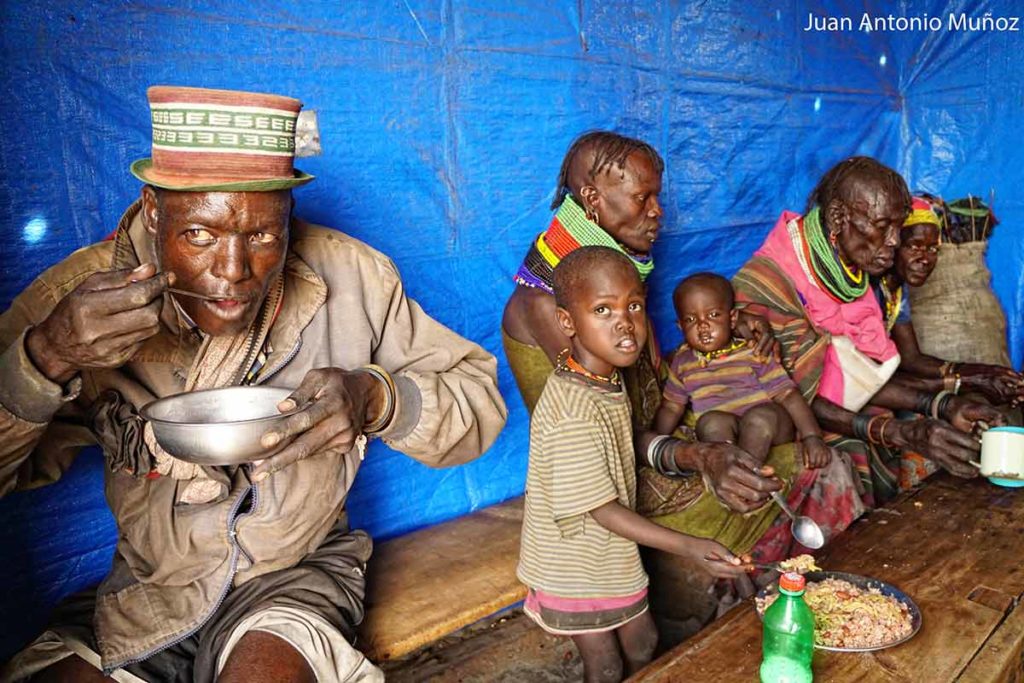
pixel 443 127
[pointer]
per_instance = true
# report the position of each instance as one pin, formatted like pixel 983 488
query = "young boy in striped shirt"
pixel 737 397
pixel 579 557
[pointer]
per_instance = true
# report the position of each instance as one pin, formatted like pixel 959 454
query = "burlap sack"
pixel 955 314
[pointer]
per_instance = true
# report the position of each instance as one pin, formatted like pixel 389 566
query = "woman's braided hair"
pixel 832 184
pixel 610 149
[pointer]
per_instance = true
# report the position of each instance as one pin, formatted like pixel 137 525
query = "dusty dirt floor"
pixel 505 648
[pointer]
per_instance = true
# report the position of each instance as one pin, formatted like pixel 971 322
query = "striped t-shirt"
pixel 733 383
pixel 581 457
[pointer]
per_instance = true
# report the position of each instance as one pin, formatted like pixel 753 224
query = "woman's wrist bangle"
pixel 881 433
pixel 871 426
pixel 390 398
pixel 819 437
pixel 653 450
pixel 937 403
pixel 943 404
pixel 860 426
pixel 661 456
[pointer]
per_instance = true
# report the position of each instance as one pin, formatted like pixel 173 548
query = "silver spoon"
pixel 805 530
pixel 197 295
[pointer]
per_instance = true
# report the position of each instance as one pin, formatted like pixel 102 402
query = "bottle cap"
pixel 792 582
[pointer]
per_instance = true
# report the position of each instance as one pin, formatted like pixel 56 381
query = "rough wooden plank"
pixel 941 545
pixel 1002 657
pixel 427 584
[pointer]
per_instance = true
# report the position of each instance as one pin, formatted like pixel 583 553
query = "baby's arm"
pixel 816 453
pixel 668 416
pixel 620 520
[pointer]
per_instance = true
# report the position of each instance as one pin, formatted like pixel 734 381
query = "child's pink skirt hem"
pixel 576 616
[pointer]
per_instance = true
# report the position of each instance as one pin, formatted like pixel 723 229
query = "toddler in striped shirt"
pixel 737 397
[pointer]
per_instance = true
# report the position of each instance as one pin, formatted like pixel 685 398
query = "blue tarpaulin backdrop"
pixel 443 126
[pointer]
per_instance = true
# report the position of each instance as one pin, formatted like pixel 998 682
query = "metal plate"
pixel 864 582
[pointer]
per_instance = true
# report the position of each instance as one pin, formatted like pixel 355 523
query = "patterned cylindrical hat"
pixel 221 140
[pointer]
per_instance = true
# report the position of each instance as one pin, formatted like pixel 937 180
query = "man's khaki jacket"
pixel 344 306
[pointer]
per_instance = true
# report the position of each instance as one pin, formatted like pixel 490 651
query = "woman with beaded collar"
pixel 810 279
pixel 607 194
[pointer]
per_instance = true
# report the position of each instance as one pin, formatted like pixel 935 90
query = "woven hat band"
pixel 204 137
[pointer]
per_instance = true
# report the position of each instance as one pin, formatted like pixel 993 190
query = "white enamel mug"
pixel 1002 455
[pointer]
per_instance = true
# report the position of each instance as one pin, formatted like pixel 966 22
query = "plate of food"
pixel 853 613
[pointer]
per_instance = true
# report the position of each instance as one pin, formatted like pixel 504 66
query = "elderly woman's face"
pixel 626 202
pixel 918 253
pixel 222 244
pixel 868 226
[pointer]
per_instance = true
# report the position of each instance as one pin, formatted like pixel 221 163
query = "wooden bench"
pixel 429 583
pixel 954 546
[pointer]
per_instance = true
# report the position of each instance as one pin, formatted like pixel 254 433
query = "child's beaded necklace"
pixel 566 363
pixel 706 358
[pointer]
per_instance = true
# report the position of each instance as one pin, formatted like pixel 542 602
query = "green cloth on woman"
pixel 530 367
pixel 707 517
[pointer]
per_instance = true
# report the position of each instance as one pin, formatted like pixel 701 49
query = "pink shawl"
pixel 860 320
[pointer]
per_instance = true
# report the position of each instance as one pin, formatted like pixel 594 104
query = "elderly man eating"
pixel 246 572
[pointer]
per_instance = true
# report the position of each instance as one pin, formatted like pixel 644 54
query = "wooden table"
pixel 956 547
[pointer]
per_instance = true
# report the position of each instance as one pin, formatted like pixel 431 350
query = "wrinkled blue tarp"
pixel 443 126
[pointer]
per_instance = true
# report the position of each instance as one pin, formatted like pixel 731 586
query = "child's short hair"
pixel 577 265
pixel 704 280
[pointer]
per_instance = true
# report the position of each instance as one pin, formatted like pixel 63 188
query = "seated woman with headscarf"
pixel 608 195
pixel 916 258
pixel 810 279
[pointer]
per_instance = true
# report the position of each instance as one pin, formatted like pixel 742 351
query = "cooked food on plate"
pixel 850 617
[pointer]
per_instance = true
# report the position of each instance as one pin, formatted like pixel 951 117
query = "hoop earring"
pixel 593 217
pixel 833 237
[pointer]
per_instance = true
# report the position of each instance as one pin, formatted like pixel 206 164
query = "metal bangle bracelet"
pixel 933 409
pixel 653 450
pixel 390 398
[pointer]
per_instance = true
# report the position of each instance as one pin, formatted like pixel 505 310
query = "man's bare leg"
pixel 261 657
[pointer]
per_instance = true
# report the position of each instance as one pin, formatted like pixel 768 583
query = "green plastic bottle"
pixel 787 643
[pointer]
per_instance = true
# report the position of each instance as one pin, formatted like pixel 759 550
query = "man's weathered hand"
pixel 100 324
pixel 333 405
pixel 940 442
pixel 758 333
pixel 737 478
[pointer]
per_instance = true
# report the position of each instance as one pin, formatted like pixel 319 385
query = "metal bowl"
pixel 217 426
pixel 864 582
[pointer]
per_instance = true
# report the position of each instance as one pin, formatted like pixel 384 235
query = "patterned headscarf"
pixel 921 212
